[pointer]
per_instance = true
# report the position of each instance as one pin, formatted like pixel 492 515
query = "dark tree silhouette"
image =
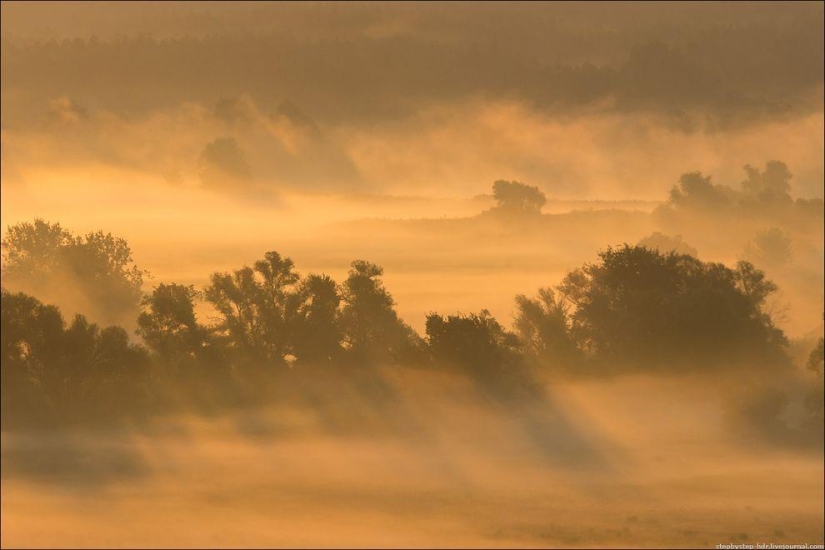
pixel 542 324
pixel 168 325
pixel 475 342
pixel 255 304
pixel 44 259
pixel 696 191
pixel 640 306
pixel 772 183
pixel 815 401
pixel 767 192
pixel 53 373
pixel 479 347
pixel 514 197
pixel 368 319
pixel 316 333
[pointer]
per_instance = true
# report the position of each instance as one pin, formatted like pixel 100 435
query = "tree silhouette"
pixel 368 319
pixel 815 400
pixel 255 306
pixel 476 342
pixel 45 259
pixel 641 306
pixel 58 374
pixel 316 333
pixel 168 325
pixel 771 184
pixel 696 191
pixel 514 197
pixel 542 324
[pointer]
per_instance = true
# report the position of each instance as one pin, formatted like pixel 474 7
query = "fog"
pixel 630 462
pixel 430 396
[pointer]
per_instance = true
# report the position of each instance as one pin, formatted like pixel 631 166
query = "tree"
pixel 815 401
pixel 542 324
pixel 476 342
pixel 772 183
pixel 696 191
pixel 368 319
pixel 514 197
pixel 767 191
pixel 168 325
pixel 316 333
pixel 50 372
pixel 256 307
pixel 478 346
pixel 641 307
pixel 92 273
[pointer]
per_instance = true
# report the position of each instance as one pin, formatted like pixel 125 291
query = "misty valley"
pixel 412 275
pixel 272 391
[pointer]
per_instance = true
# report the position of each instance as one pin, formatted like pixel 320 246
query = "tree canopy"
pixel 513 197
pixel 44 259
pixel 644 307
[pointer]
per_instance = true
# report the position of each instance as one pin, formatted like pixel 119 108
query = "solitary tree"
pixel 514 197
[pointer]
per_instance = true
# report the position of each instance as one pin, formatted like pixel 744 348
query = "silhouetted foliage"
pixel 636 306
pixel 316 333
pixel 768 189
pixel 764 193
pixel 478 346
pixel 815 401
pixel 516 198
pixel 169 328
pixel 369 322
pixel 51 373
pixel 255 305
pixel 696 191
pixel 542 324
pixel 47 260
pixel 643 307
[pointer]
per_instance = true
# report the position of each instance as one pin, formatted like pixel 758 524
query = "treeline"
pixel 730 74
pixel 634 309
pixel 763 193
